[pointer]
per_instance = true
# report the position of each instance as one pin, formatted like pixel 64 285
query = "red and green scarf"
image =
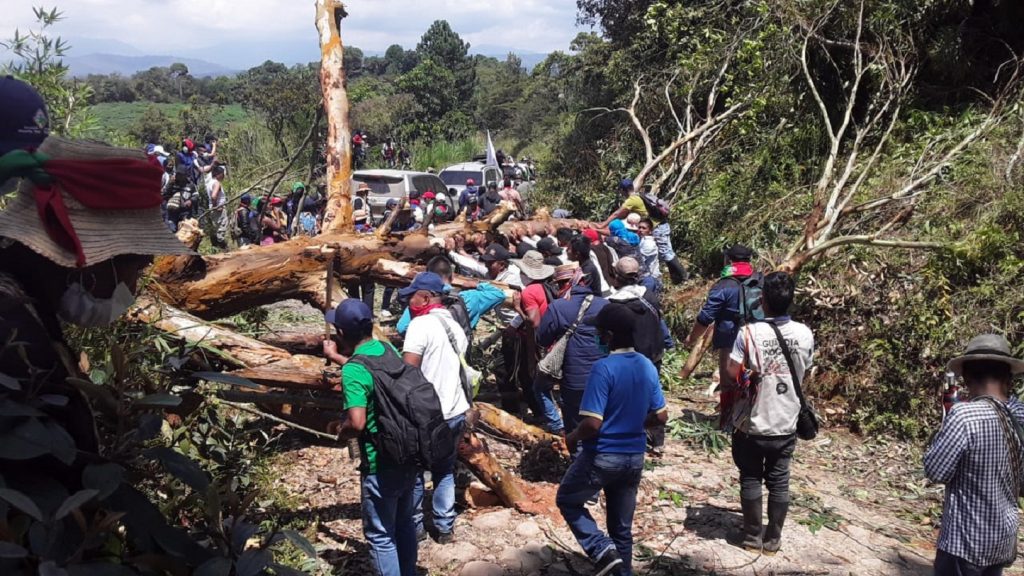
pixel 738 270
pixel 107 184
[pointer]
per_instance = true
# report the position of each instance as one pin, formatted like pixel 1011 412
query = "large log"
pixel 512 428
pixel 244 356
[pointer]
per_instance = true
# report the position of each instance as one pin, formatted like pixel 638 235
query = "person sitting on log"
pixel 436 344
pixel 623 396
pixel 82 224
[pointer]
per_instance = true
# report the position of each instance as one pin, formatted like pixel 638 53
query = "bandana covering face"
pixel 738 269
pixel 417 311
pixel 137 187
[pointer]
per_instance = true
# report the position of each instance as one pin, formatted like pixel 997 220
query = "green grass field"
pixel 117 117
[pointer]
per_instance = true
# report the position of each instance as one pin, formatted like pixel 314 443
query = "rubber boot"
pixel 773 532
pixel 677 271
pixel 749 537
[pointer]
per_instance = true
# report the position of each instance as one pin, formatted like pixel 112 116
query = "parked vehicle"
pixel 455 176
pixel 387 184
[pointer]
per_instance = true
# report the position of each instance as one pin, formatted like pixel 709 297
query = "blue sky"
pixel 232 31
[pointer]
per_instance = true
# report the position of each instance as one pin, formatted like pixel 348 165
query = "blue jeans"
pixel 571 400
pixel 542 390
pixel 444 487
pixel 387 520
pixel 619 476
pixel 663 238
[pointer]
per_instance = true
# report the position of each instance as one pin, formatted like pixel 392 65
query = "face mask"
pixel 601 346
pixel 83 309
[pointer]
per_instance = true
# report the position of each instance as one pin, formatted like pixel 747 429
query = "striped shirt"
pixel 970 455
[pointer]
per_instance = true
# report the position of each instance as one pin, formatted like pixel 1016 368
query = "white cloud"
pixel 167 26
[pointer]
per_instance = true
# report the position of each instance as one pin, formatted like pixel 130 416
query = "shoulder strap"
pixel 467 387
pixel 579 316
pixel 789 360
pixel 649 306
pixel 1014 443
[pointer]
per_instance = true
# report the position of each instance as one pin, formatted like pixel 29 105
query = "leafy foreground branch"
pixel 174 491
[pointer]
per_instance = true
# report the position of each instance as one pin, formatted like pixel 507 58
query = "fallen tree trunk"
pixel 512 491
pixel 224 284
pixel 247 357
pixel 512 428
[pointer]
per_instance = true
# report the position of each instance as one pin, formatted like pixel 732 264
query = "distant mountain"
pixel 128 65
pixel 100 56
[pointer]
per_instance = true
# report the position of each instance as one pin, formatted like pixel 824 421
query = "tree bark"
pixel 512 428
pixel 338 213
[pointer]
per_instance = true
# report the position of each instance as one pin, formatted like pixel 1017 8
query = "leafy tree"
pixel 38 61
pixel 283 97
pixel 446 48
pixel 398 60
pixel 353 61
pixel 111 88
pixel 500 87
pixel 152 126
pixel 178 71
pixel 154 85
pixel 433 87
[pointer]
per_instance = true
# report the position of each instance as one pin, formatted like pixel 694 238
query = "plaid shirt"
pixel 970 456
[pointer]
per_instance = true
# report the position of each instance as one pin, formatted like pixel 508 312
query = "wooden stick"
pixel 262 414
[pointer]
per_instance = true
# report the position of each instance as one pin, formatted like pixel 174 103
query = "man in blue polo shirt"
pixel 622 398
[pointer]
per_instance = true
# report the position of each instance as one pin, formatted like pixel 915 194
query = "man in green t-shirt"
pixel 662 231
pixel 387 488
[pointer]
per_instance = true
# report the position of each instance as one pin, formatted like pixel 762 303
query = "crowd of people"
pixel 579 313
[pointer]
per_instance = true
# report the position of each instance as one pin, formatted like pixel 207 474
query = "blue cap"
pixel 351 316
pixel 245 198
pixel 626 184
pixel 426 281
pixel 24 121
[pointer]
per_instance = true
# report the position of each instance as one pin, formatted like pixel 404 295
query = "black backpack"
pixel 623 248
pixel 411 429
pixel 456 306
pixel 750 298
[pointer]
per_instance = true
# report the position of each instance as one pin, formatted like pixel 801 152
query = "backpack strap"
pixel 463 377
pixel 579 316
pixel 789 361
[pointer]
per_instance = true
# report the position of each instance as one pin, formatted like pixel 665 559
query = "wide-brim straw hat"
pixel 987 347
pixel 103 234
pixel 533 267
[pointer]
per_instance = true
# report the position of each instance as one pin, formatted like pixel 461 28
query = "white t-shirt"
pixel 427 338
pixel 649 253
pixel 775 408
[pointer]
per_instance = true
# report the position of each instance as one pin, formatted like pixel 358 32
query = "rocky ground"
pixel 860 506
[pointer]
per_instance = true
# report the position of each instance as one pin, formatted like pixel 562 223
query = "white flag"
pixel 492 157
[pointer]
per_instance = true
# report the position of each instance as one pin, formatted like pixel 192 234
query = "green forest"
pixel 873 148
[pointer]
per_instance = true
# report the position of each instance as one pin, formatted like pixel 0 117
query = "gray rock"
pixel 528 529
pixel 499 520
pixel 456 553
pixel 541 551
pixel 480 568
